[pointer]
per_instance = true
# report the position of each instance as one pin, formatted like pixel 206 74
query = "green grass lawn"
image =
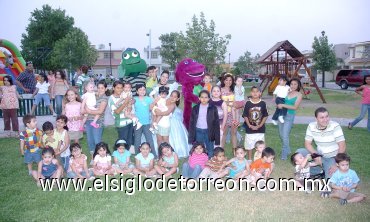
pixel 21 200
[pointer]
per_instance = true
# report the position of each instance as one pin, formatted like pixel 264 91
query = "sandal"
pixel 349 126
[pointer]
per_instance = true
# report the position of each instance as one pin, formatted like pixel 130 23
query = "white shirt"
pixel 281 91
pixel 43 87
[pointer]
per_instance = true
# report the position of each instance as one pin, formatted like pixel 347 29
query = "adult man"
pixel 26 80
pixel 329 140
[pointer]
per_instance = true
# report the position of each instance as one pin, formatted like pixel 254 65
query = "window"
pixel 355 73
pixel 353 52
pixel 154 55
pixel 106 55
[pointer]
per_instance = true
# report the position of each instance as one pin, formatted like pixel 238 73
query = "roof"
pixel 106 62
pixel 281 46
pixel 360 60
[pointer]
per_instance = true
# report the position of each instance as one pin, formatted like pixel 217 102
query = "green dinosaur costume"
pixel 132 68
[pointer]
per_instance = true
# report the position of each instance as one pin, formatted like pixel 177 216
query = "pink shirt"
pixel 198 159
pixel 73 110
pixel 10 99
pixel 366 95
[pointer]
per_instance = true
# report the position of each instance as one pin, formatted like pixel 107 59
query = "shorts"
pixel 251 139
pixel 34 157
pixel 75 135
pixel 40 97
pixel 163 131
pixel 240 103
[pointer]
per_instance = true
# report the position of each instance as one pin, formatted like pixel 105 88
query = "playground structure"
pixel 284 59
pixel 18 64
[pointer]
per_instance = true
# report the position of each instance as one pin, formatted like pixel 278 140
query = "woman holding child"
pixel 292 102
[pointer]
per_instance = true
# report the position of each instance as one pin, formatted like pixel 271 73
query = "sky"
pixel 254 25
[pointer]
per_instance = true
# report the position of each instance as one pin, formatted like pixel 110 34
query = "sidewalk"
pixel 109 121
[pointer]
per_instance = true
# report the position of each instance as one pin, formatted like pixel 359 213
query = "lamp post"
pixel 150 46
pixel 229 61
pixel 110 58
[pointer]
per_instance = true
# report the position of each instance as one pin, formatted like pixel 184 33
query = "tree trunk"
pixel 323 79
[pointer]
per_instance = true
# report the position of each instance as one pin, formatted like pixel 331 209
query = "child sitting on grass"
pixel 48 167
pixel 144 161
pixel 168 160
pixel 213 167
pixel 302 168
pixel 78 164
pixel 238 165
pixel 259 147
pixel 102 160
pixel 345 181
pixel 121 157
pixel 261 168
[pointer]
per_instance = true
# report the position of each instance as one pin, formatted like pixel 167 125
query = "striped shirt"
pixel 216 165
pixel 140 79
pixel 326 140
pixel 119 119
pixel 198 159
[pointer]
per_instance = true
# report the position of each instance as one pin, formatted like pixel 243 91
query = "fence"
pixel 25 106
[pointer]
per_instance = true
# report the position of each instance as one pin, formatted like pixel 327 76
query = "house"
pixel 105 61
pixel 156 60
pixel 359 55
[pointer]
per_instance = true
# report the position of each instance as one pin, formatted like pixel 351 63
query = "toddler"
pixel 159 103
pixel 207 82
pixel 102 160
pixel 121 156
pixel 239 99
pixel 128 111
pixel 168 160
pixel 78 164
pixel 89 100
pixel 259 146
pixel 261 168
pixel 50 138
pixel 144 161
pixel 280 92
pixel 237 165
pixel 302 168
pixel 213 167
pixel 48 167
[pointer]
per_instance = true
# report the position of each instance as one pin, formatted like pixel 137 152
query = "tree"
pixel 46 27
pixel 73 50
pixel 169 50
pixel 323 55
pixel 246 64
pixel 200 42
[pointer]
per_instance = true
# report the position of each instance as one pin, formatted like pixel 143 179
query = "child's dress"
pixel 179 134
pixel 73 110
pixel 103 163
pixel 239 95
pixel 239 167
pixel 48 170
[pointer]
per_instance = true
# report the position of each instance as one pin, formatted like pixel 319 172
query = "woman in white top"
pixel 163 81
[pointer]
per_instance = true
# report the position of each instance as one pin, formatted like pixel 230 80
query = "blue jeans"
pixel 279 112
pixel 93 134
pixel 201 136
pixel 189 172
pixel 284 131
pixel 364 108
pixel 148 138
pixel 326 163
pixel 126 133
pixel 58 104
pixel 65 162
pixel 72 174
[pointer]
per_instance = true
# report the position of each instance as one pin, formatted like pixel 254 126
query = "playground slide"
pixel 19 63
pixel 273 84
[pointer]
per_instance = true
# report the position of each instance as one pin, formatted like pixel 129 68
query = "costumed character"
pixel 132 68
pixel 189 73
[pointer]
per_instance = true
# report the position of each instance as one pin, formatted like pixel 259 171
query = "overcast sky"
pixel 254 25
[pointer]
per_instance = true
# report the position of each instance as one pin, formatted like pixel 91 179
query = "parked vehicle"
pixel 251 77
pixel 351 77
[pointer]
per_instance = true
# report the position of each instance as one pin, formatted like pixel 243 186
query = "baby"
pixel 302 168
pixel 161 105
pixel 89 100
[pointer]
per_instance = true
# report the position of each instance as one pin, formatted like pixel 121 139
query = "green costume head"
pixel 131 65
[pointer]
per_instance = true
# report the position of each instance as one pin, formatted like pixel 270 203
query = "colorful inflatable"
pixel 13 66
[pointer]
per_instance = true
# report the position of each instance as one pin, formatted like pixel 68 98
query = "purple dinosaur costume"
pixel 189 73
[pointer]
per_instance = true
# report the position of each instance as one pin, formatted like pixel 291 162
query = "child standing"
pixel 128 110
pixel 42 93
pixel 152 80
pixel 239 99
pixel 207 82
pixel 345 181
pixel 213 167
pixel 255 115
pixel 144 161
pixel 102 160
pixel 239 165
pixel 259 147
pixel 30 142
pixel 121 156
pixel 280 92
pixel 302 168
pixel 48 167
pixel 221 109
pixel 61 132
pixel 261 168
pixel 89 100
pixel 204 124
pixel 72 110
pixel 59 89
pixel 78 164
pixel 197 160
pixel 168 160
pixel 9 105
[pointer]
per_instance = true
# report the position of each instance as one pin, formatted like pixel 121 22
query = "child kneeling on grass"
pixel 144 161
pixel 168 160
pixel 344 181
pixel 213 167
pixel 78 164
pixel 121 157
pixel 48 167
pixel 261 168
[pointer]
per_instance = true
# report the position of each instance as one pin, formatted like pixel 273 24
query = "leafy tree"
pixel 323 55
pixel 200 42
pixel 45 28
pixel 246 64
pixel 73 50
pixel 169 50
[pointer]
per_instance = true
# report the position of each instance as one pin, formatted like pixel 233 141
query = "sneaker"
pixel 325 194
pixel 82 128
pixel 95 125
pixel 281 119
pixel 91 178
pixel 274 122
pixel 54 114
pixel 342 201
pixel 138 125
